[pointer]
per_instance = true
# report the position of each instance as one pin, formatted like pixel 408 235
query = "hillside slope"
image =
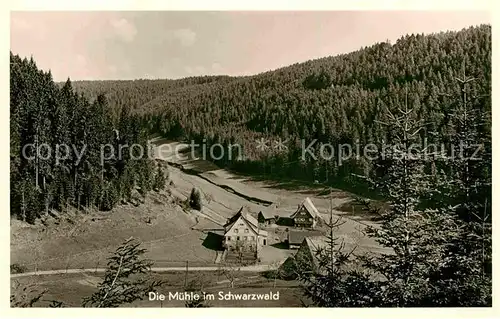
pixel 333 100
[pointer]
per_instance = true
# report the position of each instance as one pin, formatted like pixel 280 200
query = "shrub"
pixel 17 269
pixel 195 199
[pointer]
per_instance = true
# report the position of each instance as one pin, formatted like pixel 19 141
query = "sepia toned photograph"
pixel 208 159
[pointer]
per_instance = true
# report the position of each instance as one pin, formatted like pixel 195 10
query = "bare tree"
pixel 229 271
pixel 275 271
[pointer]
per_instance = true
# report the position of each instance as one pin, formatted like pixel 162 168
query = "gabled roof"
pixel 315 244
pixel 234 218
pixel 309 206
pixel 298 236
pixel 268 213
pixel 249 219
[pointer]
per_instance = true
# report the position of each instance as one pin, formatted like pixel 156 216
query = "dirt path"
pixel 257 200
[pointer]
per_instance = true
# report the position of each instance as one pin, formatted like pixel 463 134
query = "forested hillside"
pixel 335 100
pixel 71 135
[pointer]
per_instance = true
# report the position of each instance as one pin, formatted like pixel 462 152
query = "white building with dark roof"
pixel 242 232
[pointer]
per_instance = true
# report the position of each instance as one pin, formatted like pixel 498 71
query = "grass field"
pixel 85 242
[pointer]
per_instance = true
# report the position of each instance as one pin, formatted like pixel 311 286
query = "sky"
pixel 174 44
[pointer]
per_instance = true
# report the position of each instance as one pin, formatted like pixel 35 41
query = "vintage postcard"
pixel 214 159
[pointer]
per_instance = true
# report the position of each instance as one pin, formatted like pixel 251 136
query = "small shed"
pixel 267 217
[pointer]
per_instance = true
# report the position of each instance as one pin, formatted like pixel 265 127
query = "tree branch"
pixel 113 283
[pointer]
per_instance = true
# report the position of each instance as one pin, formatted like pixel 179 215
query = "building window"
pixel 246 230
pixel 242 224
pixel 238 238
pixel 236 230
pixel 228 238
pixel 252 238
pixel 245 238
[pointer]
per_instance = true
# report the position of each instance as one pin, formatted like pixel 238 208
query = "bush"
pixel 17 269
pixel 195 199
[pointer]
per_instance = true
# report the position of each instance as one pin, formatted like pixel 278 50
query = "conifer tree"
pixel 330 277
pixel 160 179
pixel 464 278
pixel 125 279
pixel 414 235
